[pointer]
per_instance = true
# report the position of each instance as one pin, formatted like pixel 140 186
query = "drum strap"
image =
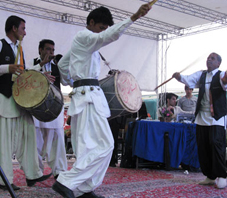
pixel 85 82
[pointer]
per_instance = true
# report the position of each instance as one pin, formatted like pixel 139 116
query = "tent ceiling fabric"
pixel 172 18
pixel 167 20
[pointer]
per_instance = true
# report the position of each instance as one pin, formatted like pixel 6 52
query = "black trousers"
pixel 115 124
pixel 211 141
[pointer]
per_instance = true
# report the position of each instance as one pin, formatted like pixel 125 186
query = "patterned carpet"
pixel 121 183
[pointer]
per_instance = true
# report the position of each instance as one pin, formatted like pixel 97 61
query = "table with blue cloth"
pixel 146 139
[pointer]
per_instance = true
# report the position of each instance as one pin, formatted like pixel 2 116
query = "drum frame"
pixel 34 109
pixel 119 98
pixel 122 111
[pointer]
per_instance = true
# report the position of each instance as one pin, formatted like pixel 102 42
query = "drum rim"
pixel 28 108
pixel 62 107
pixel 118 96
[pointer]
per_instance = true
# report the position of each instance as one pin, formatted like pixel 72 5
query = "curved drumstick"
pixel 152 2
pixel 197 60
pixel 104 60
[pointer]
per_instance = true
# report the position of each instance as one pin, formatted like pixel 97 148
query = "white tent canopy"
pixel 141 50
pixel 133 54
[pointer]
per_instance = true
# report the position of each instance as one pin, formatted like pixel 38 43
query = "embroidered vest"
pixel 218 95
pixel 6 57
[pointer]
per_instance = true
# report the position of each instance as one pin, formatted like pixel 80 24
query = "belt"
pixel 205 109
pixel 85 82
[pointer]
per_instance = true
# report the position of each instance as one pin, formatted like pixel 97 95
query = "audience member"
pixel 173 110
pixel 187 102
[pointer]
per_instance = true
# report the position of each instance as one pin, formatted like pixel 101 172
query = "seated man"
pixel 187 102
pixel 173 110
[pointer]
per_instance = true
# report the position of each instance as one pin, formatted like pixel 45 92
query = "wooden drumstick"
pixel 104 60
pixel 152 2
pixel 198 59
pixel 18 50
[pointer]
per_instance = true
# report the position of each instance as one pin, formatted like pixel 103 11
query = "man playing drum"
pixel 17 131
pixel 91 138
pixel 50 135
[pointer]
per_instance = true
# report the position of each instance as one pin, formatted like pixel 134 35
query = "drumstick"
pixel 104 60
pixel 198 59
pixel 152 2
pixel 18 50
pixel 16 58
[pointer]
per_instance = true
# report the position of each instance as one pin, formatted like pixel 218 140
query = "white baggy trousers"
pixel 18 136
pixel 50 144
pixel 93 144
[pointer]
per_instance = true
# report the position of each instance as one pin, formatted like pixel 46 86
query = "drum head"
pixel 128 91
pixel 30 89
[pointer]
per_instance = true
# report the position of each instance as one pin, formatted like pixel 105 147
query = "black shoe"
pixel 62 190
pixel 31 182
pixel 14 187
pixel 112 165
pixel 90 195
pixel 55 177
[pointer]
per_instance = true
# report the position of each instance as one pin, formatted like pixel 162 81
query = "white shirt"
pixel 83 62
pixel 204 118
pixel 46 67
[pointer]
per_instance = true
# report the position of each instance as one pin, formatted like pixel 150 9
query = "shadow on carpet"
pixel 121 182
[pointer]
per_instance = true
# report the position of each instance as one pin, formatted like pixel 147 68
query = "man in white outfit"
pixel 17 131
pixel 91 136
pixel 50 135
pixel 210 119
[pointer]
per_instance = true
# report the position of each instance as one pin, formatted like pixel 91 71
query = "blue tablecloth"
pixel 147 141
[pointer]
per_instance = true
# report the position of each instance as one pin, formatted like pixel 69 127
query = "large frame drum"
pixel 122 93
pixel 33 91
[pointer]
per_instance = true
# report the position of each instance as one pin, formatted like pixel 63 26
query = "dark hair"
pixel 187 87
pixel 101 15
pixel 43 42
pixel 170 95
pixel 13 21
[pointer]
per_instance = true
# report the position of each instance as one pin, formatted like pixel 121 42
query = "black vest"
pixel 54 72
pixel 218 95
pixel 6 57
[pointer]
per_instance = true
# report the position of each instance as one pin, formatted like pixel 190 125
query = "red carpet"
pixel 121 182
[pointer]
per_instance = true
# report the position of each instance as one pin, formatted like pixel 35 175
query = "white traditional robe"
pixel 92 139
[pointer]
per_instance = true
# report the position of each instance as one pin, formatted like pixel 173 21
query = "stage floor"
pixel 125 183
